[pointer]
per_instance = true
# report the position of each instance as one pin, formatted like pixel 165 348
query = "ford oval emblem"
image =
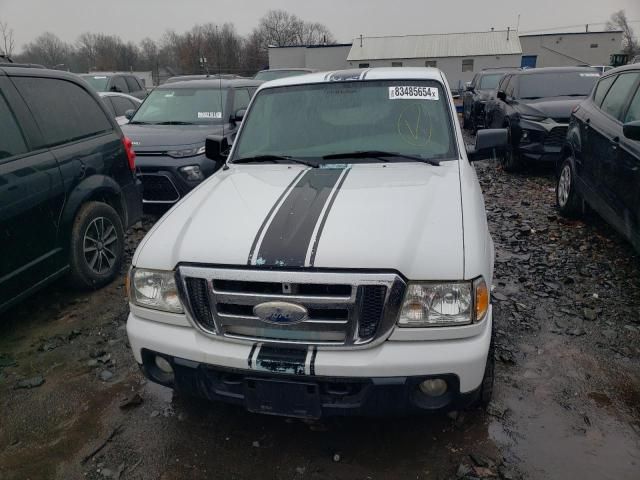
pixel 280 313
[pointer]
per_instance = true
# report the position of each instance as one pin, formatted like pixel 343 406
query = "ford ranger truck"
pixel 339 263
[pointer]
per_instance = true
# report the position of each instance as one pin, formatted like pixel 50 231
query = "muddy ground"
pixel 567 402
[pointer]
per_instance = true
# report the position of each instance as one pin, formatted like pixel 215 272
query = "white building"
pixel 317 57
pixel 575 48
pixel 458 55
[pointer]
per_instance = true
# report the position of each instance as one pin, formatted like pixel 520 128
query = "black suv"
pixel 170 128
pixel 535 105
pixel 601 159
pixel 480 91
pixel 67 184
pixel 116 82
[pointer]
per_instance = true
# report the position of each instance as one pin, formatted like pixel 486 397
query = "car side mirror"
pixel 129 114
pixel 502 95
pixel 239 115
pixel 489 143
pixel 631 130
pixel 216 148
pixel 468 87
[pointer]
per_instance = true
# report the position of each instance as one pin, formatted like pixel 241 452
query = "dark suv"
pixel 480 91
pixel 170 128
pixel 116 82
pixel 601 159
pixel 535 105
pixel 67 184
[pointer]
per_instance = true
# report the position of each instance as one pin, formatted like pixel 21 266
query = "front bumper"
pixel 163 183
pixel 132 197
pixel 540 141
pixel 377 380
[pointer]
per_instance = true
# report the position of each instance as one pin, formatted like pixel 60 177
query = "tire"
pixel 96 228
pixel 567 198
pixel 510 160
pixel 465 123
pixel 486 387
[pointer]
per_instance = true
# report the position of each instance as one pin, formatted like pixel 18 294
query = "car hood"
pixel 155 137
pixel 405 217
pixel 558 108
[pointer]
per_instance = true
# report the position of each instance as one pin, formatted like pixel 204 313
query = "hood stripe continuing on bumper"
pixel 289 233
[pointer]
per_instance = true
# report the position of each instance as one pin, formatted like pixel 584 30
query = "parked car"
pixel 339 264
pixel 184 78
pixel 169 130
pixel 480 91
pixel 534 105
pixel 116 82
pixel 67 185
pixel 602 68
pixel 277 73
pixel 118 104
pixel 601 159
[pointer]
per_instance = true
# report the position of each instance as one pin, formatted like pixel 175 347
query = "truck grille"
pixel 344 309
pixel 158 188
pixel 556 137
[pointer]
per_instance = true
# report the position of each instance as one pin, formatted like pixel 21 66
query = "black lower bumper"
pixel 307 396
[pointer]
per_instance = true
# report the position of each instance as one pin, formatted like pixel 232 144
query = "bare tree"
pixel 49 50
pixel 280 28
pixel 618 21
pixel 6 37
pixel 86 50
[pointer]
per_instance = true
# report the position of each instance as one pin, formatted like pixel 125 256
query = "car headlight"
pixel 533 118
pixel 192 173
pixel 444 304
pixel 189 152
pixel 155 289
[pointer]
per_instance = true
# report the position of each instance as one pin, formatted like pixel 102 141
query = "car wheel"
pixel 97 245
pixel 465 121
pixel 486 387
pixel 566 196
pixel 510 159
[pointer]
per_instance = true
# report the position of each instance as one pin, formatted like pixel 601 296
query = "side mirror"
pixel 631 130
pixel 489 143
pixel 129 114
pixel 216 148
pixel 239 115
pixel 468 87
pixel 501 95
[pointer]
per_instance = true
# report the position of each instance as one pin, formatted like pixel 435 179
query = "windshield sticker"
pixel 413 93
pixel 96 78
pixel 209 114
pixel 595 74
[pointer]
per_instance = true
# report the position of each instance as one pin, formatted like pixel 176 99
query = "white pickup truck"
pixel 340 263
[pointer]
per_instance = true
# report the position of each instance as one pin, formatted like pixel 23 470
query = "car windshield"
pixel 490 82
pixel 276 74
pixel 98 82
pixel 345 119
pixel 541 85
pixel 182 106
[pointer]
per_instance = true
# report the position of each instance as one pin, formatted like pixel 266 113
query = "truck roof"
pixel 361 74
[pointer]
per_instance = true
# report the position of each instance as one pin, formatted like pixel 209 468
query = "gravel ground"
pixel 567 400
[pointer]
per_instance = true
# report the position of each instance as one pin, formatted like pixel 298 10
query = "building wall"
pixel 451 66
pixel 559 50
pixel 287 57
pixel 327 58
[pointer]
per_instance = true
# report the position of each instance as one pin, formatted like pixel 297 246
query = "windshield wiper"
pixel 175 123
pixel 380 155
pixel 530 98
pixel 275 159
pixel 141 123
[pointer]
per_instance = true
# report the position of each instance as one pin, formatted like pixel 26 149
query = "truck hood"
pixel 157 137
pixel 405 217
pixel 558 108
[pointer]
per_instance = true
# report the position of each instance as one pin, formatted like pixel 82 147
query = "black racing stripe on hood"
pixel 289 234
pixel 270 214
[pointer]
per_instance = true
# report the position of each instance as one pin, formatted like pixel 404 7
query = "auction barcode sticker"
pixel 209 114
pixel 413 93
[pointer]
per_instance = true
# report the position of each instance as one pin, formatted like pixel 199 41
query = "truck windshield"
pixel 316 121
pixel 560 84
pixel 490 82
pixel 182 106
pixel 98 82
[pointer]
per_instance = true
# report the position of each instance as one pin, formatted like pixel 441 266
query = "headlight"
pixel 444 304
pixel 192 173
pixel 533 118
pixel 155 289
pixel 189 152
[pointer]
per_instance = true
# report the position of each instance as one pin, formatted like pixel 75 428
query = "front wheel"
pixel 566 196
pixel 97 246
pixel 511 158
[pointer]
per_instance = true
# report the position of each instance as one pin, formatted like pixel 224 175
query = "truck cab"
pixel 339 263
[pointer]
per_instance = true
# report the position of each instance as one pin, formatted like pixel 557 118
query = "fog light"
pixel 192 173
pixel 433 387
pixel 164 365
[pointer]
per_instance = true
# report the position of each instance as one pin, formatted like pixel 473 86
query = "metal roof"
pixel 436 46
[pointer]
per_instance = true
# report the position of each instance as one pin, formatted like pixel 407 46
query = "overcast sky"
pixel 136 19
